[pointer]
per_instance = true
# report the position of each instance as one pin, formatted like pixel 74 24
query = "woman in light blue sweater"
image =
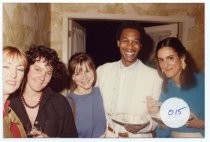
pixel 180 80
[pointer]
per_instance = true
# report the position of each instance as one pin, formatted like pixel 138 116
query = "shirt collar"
pixel 128 67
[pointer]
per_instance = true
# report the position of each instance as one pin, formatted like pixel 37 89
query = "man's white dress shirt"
pixel 124 91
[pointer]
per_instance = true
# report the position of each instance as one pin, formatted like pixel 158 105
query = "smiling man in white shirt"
pixel 125 85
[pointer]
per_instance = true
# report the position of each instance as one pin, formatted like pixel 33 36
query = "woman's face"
pixel 83 77
pixel 169 62
pixel 39 76
pixel 13 72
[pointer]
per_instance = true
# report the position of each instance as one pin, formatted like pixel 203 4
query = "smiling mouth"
pixel 129 53
pixel 11 83
pixel 168 70
pixel 86 82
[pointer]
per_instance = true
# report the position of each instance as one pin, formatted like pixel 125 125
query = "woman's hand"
pixel 38 134
pixel 195 122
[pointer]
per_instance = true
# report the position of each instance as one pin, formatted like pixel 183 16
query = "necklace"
pixel 27 105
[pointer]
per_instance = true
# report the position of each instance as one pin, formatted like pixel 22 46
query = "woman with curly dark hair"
pixel 43 112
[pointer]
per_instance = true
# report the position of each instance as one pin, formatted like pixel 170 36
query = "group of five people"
pixel 126 87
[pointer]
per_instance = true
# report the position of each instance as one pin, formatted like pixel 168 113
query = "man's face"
pixel 39 76
pixel 129 45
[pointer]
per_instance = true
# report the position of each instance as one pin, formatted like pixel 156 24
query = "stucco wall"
pixel 196 11
pixel 26 24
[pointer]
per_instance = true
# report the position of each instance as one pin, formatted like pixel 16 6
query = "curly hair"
pixel 36 53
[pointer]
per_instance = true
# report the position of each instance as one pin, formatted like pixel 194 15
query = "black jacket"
pixel 54 115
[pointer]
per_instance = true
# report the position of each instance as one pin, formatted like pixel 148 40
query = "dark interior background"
pixel 101 43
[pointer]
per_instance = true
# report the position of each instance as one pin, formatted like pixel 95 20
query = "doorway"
pixel 101 43
pixel 112 21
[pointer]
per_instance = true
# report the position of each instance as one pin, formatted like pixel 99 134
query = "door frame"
pixel 185 23
pixel 172 30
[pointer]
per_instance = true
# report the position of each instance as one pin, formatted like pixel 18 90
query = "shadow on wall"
pixel 146 50
pixel 60 82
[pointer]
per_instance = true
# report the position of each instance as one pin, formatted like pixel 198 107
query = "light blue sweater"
pixel 194 98
pixel 89 113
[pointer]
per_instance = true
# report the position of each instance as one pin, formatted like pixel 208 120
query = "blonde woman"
pixel 14 65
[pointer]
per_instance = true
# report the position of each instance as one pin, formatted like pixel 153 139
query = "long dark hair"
pixel 187 76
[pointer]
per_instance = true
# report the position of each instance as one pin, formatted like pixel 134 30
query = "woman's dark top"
pixel 54 115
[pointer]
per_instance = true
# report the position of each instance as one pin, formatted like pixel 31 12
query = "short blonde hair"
pixel 10 52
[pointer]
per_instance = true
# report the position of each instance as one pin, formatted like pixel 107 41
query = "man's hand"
pixel 153 106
